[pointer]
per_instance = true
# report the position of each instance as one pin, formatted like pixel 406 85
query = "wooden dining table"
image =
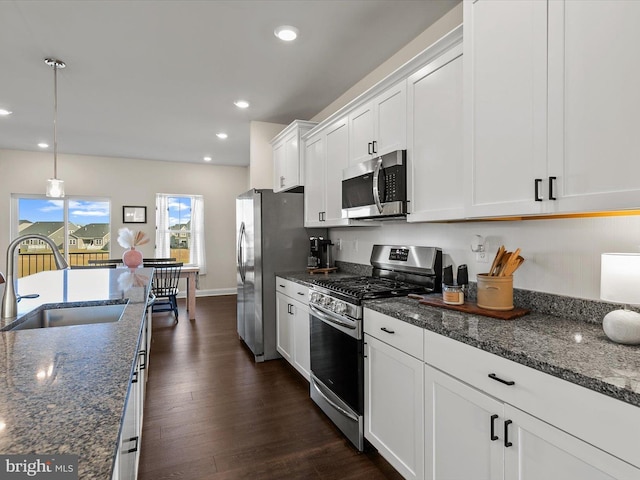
pixel 190 273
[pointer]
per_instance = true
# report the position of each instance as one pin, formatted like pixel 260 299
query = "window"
pixel 73 222
pixel 180 229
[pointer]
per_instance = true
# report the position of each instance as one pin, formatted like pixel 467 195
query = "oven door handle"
pixel 332 403
pixel 376 191
pixel 328 319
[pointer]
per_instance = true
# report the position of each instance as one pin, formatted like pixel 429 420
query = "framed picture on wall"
pixel 134 214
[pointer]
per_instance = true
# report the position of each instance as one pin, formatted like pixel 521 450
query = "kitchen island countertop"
pixel 64 388
pixel 572 350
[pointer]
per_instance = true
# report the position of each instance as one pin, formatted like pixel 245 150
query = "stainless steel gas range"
pixel 336 316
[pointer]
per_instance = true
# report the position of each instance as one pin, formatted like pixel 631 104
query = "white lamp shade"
pixel 55 188
pixel 620 278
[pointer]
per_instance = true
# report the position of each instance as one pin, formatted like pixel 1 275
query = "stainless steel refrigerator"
pixel 271 238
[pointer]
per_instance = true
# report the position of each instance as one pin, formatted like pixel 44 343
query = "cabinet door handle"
pixel 494 437
pixel 493 376
pixel 143 358
pixel 536 184
pixel 551 182
pixel 375 146
pixel 369 148
pixel 385 329
pixel 282 181
pixel 135 448
pixel 507 443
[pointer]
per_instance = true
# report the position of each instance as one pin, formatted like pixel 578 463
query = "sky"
pixel 179 210
pixel 49 210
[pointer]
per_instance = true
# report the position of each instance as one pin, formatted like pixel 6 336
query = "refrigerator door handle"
pixel 241 266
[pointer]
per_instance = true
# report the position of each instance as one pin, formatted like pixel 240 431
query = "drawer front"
pixel 607 423
pixel 294 290
pixel 401 335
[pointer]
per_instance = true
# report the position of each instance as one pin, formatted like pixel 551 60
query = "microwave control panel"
pixel 394 184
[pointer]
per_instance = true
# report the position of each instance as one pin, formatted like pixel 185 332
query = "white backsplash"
pixel 562 255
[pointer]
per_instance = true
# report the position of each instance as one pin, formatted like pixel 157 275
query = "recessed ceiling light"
pixel 241 104
pixel 221 135
pixel 207 159
pixel 286 33
pixel 43 145
pixel 5 112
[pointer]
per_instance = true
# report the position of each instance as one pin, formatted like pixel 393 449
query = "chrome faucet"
pixel 9 299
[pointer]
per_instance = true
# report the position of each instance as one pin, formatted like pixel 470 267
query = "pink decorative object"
pixel 132 258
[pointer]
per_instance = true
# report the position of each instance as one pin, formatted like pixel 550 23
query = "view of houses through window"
pixel 79 227
pixel 180 229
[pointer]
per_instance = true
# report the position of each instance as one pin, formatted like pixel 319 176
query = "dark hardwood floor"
pixel 212 413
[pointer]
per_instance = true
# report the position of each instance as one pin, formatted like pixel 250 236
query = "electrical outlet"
pixel 482 257
pixel 339 244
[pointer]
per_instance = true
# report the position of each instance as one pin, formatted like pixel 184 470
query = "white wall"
pixel 135 182
pixel 444 25
pixel 261 153
pixel 562 256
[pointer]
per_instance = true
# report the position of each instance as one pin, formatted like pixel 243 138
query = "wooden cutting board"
pixel 475 309
pixel 325 270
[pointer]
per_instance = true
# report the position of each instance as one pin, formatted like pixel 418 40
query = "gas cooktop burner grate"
pixel 367 287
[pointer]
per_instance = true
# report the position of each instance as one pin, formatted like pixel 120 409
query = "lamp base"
pixel 622 326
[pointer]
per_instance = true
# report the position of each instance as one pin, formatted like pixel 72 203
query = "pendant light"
pixel 55 186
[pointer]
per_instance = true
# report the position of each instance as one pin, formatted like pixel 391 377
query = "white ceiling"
pixel 157 79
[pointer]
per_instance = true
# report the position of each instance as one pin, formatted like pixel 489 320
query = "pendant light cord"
pixel 55 121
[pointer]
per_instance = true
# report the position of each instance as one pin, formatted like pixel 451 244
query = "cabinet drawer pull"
pixel 385 329
pixel 551 182
pixel 493 376
pixel 507 443
pixel 494 437
pixel 375 146
pixel 369 148
pixel 301 293
pixel 536 184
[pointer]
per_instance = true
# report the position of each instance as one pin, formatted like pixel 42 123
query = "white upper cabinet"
pixel 551 100
pixel 505 65
pixel 314 184
pixel 434 140
pixel 594 98
pixel 325 156
pixel 379 126
pixel 288 167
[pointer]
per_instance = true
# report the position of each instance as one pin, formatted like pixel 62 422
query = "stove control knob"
pixel 340 307
pixel 325 301
pixel 314 297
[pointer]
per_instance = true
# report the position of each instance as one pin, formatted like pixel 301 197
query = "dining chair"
pixel 164 286
pixel 159 260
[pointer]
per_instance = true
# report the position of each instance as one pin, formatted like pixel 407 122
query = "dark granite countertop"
pixel 64 388
pixel 573 350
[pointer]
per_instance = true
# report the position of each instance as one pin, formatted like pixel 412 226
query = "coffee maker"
pixel 320 253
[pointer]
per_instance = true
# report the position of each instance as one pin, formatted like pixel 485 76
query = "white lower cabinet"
pixel 508 421
pixel 394 390
pixel 458 421
pixel 292 325
pixel 128 454
pixel 498 441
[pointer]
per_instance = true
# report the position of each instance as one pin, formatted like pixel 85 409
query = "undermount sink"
pixel 63 317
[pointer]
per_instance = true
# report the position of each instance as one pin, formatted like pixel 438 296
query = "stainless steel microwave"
pixel 376 188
